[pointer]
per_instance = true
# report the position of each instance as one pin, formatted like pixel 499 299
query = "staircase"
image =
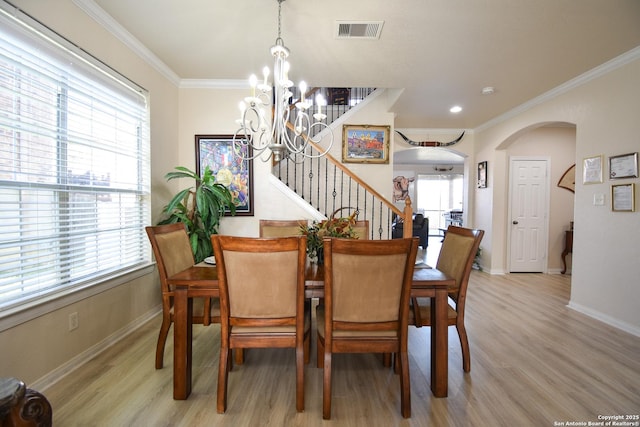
pixel 334 190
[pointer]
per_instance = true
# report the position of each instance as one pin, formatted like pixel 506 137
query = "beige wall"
pixel 43 345
pixel 606 265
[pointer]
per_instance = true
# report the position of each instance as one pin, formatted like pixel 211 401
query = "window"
pixel 437 195
pixel 74 166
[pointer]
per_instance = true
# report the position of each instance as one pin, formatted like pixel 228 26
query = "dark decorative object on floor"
pixel 20 405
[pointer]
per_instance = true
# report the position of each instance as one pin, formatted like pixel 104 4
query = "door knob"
pixel 514 222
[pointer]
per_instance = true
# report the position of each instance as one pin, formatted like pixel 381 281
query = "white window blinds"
pixel 74 166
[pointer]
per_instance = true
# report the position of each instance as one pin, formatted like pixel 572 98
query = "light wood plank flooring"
pixel 534 362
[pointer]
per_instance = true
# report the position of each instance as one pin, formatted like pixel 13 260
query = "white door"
pixel 528 208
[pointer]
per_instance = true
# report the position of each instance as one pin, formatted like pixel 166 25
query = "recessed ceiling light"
pixel 455 109
pixel 488 90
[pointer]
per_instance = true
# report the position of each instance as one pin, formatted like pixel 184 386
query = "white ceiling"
pixel 441 52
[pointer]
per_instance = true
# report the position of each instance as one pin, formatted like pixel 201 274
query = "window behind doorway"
pixel 438 195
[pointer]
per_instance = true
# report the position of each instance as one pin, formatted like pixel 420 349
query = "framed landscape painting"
pixel 365 144
pixel 230 168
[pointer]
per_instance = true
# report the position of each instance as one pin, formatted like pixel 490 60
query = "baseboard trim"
pixel 43 383
pixel 626 327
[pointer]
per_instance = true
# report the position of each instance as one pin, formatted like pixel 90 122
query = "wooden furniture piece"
pixel 367 285
pixel 281 228
pixel 455 260
pixel 568 248
pixel 21 406
pixel 202 280
pixel 361 228
pixel 173 254
pixel 261 285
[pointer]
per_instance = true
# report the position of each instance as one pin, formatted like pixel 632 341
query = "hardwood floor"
pixel 534 362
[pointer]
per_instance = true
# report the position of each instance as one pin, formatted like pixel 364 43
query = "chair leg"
pixel 386 360
pixel 405 384
pixel 319 353
pixel 239 356
pixel 307 348
pixel 300 356
pixel 206 312
pixel 464 345
pixel 162 339
pixel 223 374
pixel 326 387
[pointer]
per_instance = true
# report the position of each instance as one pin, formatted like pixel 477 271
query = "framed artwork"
pixel 623 166
pixel 482 174
pixel 365 144
pixel 623 197
pixel 218 152
pixel 592 170
pixel 568 179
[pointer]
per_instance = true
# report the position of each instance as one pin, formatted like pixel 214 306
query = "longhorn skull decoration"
pixel 431 143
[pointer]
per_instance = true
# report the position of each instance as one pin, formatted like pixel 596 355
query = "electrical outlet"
pixel 73 321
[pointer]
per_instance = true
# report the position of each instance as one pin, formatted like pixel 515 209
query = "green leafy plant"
pixel 332 227
pixel 200 208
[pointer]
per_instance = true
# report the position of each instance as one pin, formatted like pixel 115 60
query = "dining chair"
pixel 281 228
pixel 456 257
pixel 172 250
pixel 361 229
pixel 367 285
pixel 275 228
pixel 262 303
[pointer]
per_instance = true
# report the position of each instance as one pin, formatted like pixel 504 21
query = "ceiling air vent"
pixel 359 29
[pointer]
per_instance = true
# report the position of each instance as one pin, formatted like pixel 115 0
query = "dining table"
pixel 201 280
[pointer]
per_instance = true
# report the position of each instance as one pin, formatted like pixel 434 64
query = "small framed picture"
pixel 623 166
pixel 592 170
pixel 482 174
pixel 365 144
pixel 623 198
pixel 232 170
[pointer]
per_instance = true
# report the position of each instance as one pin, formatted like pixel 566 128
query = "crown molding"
pixel 213 84
pixel 582 79
pixel 105 20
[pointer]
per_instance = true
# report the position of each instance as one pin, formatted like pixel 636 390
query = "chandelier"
pixel 275 135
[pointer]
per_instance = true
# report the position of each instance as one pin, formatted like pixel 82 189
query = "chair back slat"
pixel 281 228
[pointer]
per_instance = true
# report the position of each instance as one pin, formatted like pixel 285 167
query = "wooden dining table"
pixel 202 281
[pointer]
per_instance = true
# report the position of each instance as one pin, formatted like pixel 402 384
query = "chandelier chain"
pixel 280 19
pixel 276 135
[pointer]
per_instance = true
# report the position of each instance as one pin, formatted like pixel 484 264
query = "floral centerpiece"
pixel 332 227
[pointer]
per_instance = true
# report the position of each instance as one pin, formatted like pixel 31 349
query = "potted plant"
pixel 332 227
pixel 200 208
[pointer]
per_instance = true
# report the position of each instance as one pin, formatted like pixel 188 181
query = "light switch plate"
pixel 598 199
